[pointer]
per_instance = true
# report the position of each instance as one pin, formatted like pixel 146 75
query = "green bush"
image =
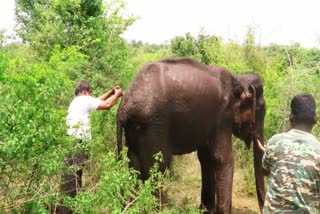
pixel 32 132
pixel 118 189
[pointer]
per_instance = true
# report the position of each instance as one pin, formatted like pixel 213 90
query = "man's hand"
pixel 111 98
pixel 118 91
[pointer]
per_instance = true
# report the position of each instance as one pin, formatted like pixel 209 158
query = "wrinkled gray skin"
pixel 178 106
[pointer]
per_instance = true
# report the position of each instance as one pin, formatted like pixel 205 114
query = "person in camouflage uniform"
pixel 292 162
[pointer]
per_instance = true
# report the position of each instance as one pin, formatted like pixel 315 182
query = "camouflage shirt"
pixel 293 159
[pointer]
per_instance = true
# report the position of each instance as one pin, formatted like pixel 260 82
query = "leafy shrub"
pixel 33 142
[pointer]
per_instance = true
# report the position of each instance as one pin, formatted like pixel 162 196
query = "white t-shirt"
pixel 78 119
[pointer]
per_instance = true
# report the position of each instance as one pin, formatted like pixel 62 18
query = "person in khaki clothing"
pixel 292 162
pixel 78 122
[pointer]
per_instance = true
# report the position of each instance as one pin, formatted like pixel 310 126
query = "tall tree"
pixel 91 25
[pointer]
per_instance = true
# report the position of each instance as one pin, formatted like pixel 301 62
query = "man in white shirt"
pixel 78 122
pixel 78 119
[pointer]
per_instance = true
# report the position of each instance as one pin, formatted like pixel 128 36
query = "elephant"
pixel 177 106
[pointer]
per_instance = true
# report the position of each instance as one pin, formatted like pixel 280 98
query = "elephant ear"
pixel 248 103
pixel 252 91
pixel 237 89
pixel 245 106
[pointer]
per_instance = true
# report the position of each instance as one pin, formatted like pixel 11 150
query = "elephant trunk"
pixel 259 177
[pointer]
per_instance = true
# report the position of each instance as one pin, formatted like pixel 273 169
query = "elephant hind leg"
pixel 147 161
pixel 134 162
pixel 141 153
pixel 143 145
pixel 208 181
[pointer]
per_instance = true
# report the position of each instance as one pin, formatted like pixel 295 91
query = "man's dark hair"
pixel 81 87
pixel 303 108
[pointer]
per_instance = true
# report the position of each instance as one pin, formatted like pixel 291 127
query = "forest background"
pixel 64 41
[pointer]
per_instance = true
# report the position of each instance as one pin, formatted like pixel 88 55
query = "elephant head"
pixel 248 123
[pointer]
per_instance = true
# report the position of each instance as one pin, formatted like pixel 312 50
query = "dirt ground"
pixel 183 188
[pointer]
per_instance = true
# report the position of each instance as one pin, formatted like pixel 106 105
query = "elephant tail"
pixel 119 137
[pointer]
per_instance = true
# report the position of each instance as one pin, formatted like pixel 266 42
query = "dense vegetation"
pixel 65 41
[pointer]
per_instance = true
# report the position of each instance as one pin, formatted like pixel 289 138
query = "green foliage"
pixel 211 51
pixel 67 41
pixel 69 61
pixel 32 131
pixel 118 189
pixel 205 49
pixel 81 39
pixel 92 26
pixel 185 46
pixel 3 66
pixel 252 54
pixel 33 145
pixel 244 161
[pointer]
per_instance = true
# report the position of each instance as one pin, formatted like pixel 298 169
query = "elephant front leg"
pixel 224 178
pixel 224 169
pixel 208 181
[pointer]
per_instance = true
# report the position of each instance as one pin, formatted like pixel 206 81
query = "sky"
pixel 273 21
pixel 7 19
